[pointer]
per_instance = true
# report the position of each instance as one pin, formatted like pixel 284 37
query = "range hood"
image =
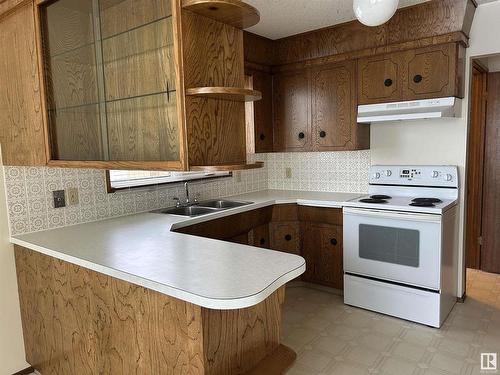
pixel 410 110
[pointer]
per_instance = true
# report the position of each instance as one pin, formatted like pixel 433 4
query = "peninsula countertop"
pixel 143 250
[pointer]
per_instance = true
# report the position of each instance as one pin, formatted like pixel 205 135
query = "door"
pixel 334 107
pixel 490 251
pixel 263 112
pixel 431 72
pixel 475 166
pixel 380 79
pixel 291 119
pixel 395 246
pixel 322 250
pixel 285 236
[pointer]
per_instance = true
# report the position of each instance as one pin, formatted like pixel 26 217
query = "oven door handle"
pixel 382 214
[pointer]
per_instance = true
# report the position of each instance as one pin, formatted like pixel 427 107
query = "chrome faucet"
pixel 187 201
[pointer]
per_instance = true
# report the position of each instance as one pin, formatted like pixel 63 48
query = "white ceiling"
pixel 281 18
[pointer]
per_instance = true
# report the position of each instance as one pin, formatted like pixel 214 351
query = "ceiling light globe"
pixel 374 12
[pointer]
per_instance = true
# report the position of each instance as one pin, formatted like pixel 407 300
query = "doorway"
pixel 482 231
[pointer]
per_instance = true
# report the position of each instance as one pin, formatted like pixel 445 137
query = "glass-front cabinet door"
pixel 110 80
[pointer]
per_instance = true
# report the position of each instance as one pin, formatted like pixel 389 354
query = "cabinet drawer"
pixel 285 212
pixel 320 215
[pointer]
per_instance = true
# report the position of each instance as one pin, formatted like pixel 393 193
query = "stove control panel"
pixel 431 175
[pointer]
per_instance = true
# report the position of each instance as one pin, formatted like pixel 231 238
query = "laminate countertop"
pixel 143 250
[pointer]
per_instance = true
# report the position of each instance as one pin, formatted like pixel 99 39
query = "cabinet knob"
pixel 388 82
pixel 288 237
pixel 322 134
pixel 301 135
pixel 418 78
pixel 262 241
pixel 333 241
pixel 262 137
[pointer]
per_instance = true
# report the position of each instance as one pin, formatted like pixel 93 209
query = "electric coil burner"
pixel 426 200
pixel 373 200
pixel 380 196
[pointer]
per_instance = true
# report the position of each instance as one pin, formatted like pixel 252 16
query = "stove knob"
pixel 435 174
pixel 448 177
pixel 376 175
pixel 388 173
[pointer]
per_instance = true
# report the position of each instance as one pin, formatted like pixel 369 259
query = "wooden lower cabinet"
pixel 260 236
pixel 241 239
pixel 322 250
pixel 285 236
pixel 78 321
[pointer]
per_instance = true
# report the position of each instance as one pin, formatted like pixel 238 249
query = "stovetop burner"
pixel 372 200
pixel 426 200
pixel 380 196
pixel 422 204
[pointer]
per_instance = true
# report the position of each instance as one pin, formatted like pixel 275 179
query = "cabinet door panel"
pixel 380 79
pixel 334 123
pixel 285 236
pixel 261 236
pixel 431 72
pixel 292 111
pixel 322 250
pixel 263 112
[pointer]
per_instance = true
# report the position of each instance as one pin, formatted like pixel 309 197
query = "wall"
pixel 29 195
pixel 11 335
pixel 440 141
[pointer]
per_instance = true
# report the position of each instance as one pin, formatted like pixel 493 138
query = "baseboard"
pixel 462 299
pixel 26 371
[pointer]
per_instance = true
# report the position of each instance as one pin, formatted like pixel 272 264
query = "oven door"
pixel 402 247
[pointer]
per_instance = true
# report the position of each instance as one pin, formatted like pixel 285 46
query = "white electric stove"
pixel 400 243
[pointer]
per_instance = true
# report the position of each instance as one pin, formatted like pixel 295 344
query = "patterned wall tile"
pixel 29 189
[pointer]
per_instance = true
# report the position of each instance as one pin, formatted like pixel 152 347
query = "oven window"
pixel 390 245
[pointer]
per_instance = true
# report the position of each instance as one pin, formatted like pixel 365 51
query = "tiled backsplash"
pixel 320 171
pixel 30 204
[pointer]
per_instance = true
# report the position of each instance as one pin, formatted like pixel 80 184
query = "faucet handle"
pixel 177 201
pixel 197 197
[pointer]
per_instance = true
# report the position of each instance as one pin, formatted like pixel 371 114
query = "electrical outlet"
pixel 72 196
pixel 288 172
pixel 59 198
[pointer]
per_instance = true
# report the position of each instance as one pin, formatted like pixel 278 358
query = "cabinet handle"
pixel 388 82
pixel 322 134
pixel 333 241
pixel 262 241
pixel 262 137
pixel 288 237
pixel 418 78
pixel 301 135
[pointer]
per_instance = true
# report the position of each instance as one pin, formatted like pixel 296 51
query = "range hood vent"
pixel 410 110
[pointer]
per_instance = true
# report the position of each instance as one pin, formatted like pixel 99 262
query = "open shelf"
pixel 222 168
pixel 226 93
pixel 235 13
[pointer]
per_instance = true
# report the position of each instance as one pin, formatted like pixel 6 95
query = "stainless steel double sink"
pixel 202 208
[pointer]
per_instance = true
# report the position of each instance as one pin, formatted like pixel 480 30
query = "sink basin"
pixel 222 204
pixel 187 211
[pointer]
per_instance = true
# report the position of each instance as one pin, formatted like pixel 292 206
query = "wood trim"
pixel 475 165
pixel 26 371
pixel 232 167
pixel 235 13
pixel 179 74
pixel 138 165
pixel 226 93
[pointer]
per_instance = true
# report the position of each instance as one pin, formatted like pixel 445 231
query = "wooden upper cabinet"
pixel 334 125
pixel 424 73
pixel 432 72
pixel 380 78
pixel 110 81
pixel 22 133
pixel 292 111
pixel 263 111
